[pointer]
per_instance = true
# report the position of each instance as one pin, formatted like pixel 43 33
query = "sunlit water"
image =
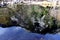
pixel 18 33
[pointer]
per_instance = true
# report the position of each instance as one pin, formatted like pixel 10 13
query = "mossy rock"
pixel 4 16
pixel 4 19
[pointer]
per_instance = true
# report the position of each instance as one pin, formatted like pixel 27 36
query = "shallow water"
pixel 18 33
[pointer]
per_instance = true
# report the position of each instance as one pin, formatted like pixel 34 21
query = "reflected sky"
pixel 18 33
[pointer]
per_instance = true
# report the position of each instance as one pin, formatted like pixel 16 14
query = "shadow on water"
pixel 36 28
pixel 44 31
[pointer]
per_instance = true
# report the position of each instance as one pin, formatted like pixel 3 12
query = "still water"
pixel 18 33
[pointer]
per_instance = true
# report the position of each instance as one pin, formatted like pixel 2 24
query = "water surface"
pixel 18 33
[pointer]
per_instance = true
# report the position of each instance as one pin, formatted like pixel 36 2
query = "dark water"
pixel 18 33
